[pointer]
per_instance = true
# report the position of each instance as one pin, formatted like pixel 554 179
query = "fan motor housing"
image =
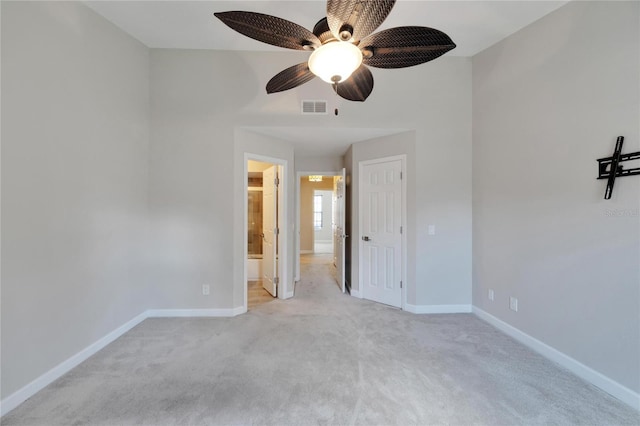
pixel 322 31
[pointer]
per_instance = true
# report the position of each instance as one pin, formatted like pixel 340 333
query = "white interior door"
pixel 381 236
pixel 339 228
pixel 269 229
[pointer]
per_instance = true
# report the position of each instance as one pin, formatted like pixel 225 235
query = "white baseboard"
pixel 356 293
pixel 608 385
pixel 289 295
pixel 239 311
pixel 191 313
pixel 21 395
pixel 437 309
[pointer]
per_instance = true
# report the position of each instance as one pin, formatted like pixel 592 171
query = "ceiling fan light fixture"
pixel 344 45
pixel 335 61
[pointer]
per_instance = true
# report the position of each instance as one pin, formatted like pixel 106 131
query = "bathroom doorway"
pixel 263 204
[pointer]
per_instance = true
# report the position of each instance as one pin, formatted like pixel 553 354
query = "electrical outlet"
pixel 491 295
pixel 205 289
pixel 513 304
pixel 431 230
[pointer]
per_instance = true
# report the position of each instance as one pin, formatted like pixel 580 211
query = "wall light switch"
pixel 205 289
pixel 491 295
pixel 431 230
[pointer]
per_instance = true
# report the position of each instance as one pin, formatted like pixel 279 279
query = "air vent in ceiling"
pixel 314 107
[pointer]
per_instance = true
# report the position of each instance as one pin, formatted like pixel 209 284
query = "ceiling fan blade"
pixel 356 17
pixel 358 87
pixel 402 47
pixel 270 29
pixel 292 77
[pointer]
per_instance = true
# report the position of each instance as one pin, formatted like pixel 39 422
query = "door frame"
pixel 283 248
pixel 299 176
pixel 403 216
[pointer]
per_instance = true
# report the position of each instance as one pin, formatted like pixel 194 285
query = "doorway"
pixel 320 219
pixel 264 196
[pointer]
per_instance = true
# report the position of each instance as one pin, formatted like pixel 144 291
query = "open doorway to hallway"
pixel 321 208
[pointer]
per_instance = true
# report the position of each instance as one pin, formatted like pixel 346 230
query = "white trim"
pixel 238 310
pixel 289 295
pixel 356 293
pixel 193 313
pixel 21 395
pixel 245 238
pixel 608 385
pixel 437 309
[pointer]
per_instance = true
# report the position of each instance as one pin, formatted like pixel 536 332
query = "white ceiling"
pixel 321 141
pixel 473 25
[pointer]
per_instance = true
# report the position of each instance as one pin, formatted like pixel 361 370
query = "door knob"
pixel 366 239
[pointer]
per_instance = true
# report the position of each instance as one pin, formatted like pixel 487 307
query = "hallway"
pixel 317 268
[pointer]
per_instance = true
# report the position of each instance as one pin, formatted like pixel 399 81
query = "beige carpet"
pixel 320 358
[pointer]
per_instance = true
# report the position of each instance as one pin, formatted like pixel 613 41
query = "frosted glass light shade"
pixel 334 62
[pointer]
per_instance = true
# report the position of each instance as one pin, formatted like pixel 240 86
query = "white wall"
pixel 547 102
pixel 318 164
pixel 75 96
pixel 191 182
pixel 200 97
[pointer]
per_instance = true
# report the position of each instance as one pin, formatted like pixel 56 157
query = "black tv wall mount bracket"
pixel 610 168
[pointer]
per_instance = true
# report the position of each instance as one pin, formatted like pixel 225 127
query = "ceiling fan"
pixel 342 45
